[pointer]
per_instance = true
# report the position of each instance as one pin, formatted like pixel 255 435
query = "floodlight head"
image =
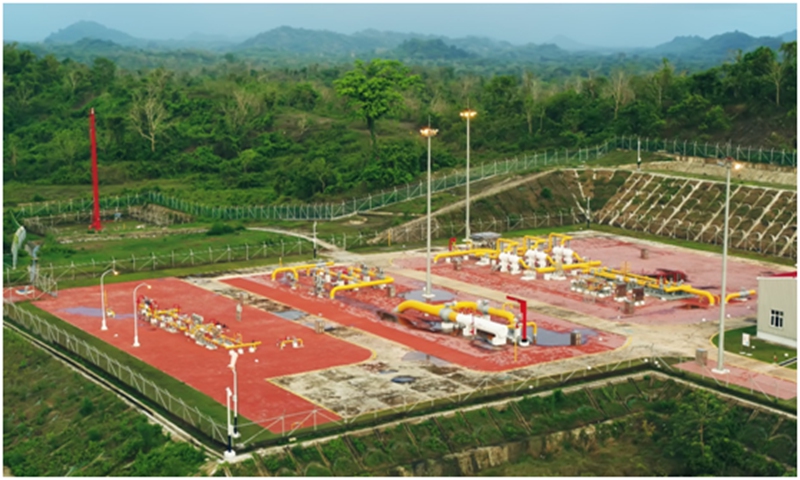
pixel 115 272
pixel 429 132
pixel 468 114
pixel 148 286
pixel 738 166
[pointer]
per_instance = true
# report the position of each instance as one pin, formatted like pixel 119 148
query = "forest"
pixel 319 132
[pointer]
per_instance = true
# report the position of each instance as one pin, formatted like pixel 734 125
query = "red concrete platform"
pixel 358 310
pixel 704 273
pixel 205 370
pixel 757 382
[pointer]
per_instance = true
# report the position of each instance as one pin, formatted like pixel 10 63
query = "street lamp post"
pixel 468 114
pixel 315 239
pixel 729 163
pixel 103 297
pixel 232 366
pixel 428 132
pixel 135 315
pixel 229 453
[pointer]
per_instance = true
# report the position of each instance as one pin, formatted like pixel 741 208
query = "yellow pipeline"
pixel 649 282
pixel 573 266
pixel 351 286
pixel 731 296
pixel 506 243
pixel 564 239
pixel 426 308
pixel 491 310
pixel 457 253
pixel 294 270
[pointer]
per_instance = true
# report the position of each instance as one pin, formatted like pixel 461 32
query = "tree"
pixel 148 114
pixel 374 89
pixel 620 90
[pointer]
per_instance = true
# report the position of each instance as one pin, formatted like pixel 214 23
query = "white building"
pixel 777 309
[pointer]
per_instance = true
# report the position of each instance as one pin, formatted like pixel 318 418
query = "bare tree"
pixel 148 114
pixel 621 90
pixel 242 107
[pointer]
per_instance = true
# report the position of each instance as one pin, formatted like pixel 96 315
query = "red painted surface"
pixel 358 310
pixel 96 225
pixel 205 370
pixel 704 271
pixel 757 382
pixel 786 274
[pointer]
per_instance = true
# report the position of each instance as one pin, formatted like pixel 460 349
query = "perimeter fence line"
pixel 318 422
pixel 771 245
pixel 440 182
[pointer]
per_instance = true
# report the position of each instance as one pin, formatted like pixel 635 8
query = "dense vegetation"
pixel 282 134
pixel 57 423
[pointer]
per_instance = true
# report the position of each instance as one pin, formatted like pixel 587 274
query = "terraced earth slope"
pixel 763 219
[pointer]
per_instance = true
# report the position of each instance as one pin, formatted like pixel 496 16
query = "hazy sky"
pixel 593 24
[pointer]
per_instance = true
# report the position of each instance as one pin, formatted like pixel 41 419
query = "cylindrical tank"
pixel 530 257
pixel 567 254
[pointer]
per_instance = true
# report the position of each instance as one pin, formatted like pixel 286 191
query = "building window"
pixel 776 318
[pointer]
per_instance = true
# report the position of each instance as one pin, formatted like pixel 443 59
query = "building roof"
pixel 786 274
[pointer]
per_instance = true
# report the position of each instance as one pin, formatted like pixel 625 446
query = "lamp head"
pixel 468 113
pixel 148 286
pixel 738 166
pixel 115 272
pixel 429 132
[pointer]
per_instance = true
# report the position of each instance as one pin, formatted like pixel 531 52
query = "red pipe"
pixel 523 306
pixel 96 215
pixel 452 242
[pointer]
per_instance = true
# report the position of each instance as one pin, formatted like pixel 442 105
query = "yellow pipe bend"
pixel 458 253
pixel 296 268
pixel 731 296
pixel 352 286
pixel 426 308
pixel 491 310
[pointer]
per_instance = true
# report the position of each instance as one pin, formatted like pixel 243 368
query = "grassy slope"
pixel 57 423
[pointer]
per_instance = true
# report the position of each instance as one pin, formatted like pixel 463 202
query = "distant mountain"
pixel 83 29
pixel 789 36
pixel 678 45
pixel 570 45
pixel 718 46
pixel 418 49
pixel 301 40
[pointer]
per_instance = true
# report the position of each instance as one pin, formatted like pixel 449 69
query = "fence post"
pixel 173 258
pixel 133 262
pixel 282 249
pixel 191 255
pixel 153 257
pixel 94 271
pixel 246 252
pixel 264 244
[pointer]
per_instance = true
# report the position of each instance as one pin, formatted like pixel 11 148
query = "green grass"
pixel 104 250
pixel 58 423
pixel 15 193
pixel 192 397
pixel 760 350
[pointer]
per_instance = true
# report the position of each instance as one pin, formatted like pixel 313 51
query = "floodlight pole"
pixel 468 114
pixel 721 350
pixel 315 239
pixel 96 225
pixel 232 366
pixel 428 132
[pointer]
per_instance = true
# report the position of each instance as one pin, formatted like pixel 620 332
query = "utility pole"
pixel 638 154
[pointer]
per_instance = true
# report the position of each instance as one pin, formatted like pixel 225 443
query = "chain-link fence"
pixel 686 148
pixel 440 182
pixel 125 374
pixel 173 259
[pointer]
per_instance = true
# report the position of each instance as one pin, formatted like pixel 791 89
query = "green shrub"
pixel 219 228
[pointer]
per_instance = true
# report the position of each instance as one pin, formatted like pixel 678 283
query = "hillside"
pixel 58 423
